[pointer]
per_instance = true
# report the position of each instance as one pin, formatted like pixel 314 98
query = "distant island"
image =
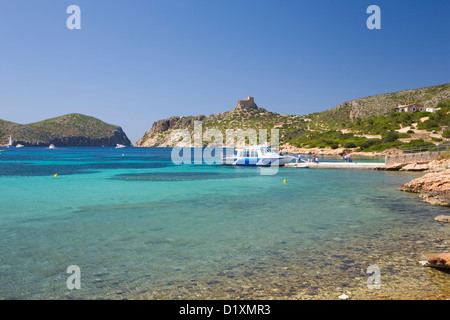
pixel 409 118
pixel 69 130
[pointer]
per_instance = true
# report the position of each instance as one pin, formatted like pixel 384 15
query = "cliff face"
pixel 68 130
pixel 159 134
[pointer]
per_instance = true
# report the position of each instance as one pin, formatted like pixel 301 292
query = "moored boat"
pixel 260 155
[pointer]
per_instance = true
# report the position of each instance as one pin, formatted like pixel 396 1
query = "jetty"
pixel 342 165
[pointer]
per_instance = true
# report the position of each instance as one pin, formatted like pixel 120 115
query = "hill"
pixel 69 130
pixel 381 104
pixel 364 124
pixel 246 115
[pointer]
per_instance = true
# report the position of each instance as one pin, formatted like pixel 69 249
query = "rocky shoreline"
pixel 433 187
pixel 334 152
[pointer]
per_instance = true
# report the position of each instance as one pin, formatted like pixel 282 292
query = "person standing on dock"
pixel 315 159
pixel 347 157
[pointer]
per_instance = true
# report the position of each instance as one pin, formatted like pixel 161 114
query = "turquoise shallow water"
pixel 140 227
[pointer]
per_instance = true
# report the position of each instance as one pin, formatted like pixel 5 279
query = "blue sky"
pixel 138 61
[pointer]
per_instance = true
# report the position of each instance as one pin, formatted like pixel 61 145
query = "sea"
pixel 106 223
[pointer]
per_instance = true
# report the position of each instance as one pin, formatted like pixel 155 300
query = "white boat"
pixel 52 146
pixel 19 146
pixel 260 155
pixel 118 146
pixel 301 165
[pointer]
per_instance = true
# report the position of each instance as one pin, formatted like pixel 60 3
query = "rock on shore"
pixel 441 261
pixel 433 187
pixel 445 219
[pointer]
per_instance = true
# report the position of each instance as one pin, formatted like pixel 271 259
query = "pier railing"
pixel 440 147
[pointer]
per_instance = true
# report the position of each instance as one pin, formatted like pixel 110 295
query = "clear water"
pixel 140 227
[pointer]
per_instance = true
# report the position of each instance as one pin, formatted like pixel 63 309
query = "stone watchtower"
pixel 247 103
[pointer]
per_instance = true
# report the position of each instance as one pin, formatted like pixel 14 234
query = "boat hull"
pixel 266 162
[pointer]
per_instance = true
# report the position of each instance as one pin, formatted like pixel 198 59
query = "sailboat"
pixel 10 144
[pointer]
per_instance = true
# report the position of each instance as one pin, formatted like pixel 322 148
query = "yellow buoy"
pixel 56 176
pixel 284 181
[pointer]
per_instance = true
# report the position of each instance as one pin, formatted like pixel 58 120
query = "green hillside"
pixel 345 126
pixel 68 130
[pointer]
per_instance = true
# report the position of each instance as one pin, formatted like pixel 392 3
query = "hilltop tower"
pixel 247 103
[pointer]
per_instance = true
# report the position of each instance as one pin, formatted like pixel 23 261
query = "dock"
pixel 342 165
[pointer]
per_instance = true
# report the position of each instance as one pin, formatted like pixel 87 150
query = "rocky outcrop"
pixel 434 187
pixel 160 133
pixel 394 166
pixel 415 167
pixel 438 197
pixel 429 166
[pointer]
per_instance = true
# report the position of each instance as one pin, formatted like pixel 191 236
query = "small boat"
pixel 1 151
pixel 261 155
pixel 11 145
pixel 118 146
pixel 301 165
pixel 52 146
